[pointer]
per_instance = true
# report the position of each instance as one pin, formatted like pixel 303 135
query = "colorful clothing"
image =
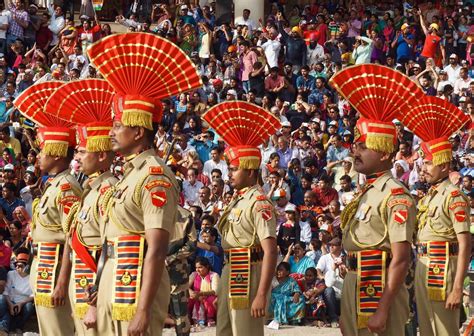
pixel 282 305
pixel 206 309
pixel 302 265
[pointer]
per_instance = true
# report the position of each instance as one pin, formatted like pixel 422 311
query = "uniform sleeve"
pixel 264 219
pixel 401 218
pixel 459 212
pixel 159 200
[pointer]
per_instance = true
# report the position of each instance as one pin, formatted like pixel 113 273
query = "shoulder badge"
pixel 397 191
pixel 156 170
pixel 261 198
pixel 400 216
pixel 104 189
pixel 457 205
pixel 460 216
pixel 66 186
pixel 399 201
pixel 158 198
pixel 455 193
pixel 157 183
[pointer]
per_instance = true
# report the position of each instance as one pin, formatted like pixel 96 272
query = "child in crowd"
pixel 313 294
pixel 289 232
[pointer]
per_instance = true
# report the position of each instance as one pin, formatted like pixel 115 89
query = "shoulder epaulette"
pixel 156 170
pixel 104 189
pixel 455 193
pixel 261 198
pixel 397 191
pixel 65 186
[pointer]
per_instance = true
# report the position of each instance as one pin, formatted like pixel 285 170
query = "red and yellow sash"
pixel 438 253
pixel 48 262
pixel 83 278
pixel 239 278
pixel 129 253
pixel 370 283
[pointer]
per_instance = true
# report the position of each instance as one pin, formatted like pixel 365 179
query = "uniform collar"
pixel 245 192
pixel 439 186
pixel 378 180
pixel 138 159
pixel 97 181
pixel 55 180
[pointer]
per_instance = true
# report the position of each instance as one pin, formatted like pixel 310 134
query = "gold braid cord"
pixel 137 193
pixel 71 216
pixel 349 211
pixel 34 207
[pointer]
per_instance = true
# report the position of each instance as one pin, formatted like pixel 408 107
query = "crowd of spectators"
pixel 282 62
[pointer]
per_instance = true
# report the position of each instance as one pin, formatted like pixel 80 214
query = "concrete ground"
pixel 285 330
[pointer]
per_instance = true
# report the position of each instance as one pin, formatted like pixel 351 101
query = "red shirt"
pixel 5 255
pixel 43 35
pixel 431 44
pixel 325 197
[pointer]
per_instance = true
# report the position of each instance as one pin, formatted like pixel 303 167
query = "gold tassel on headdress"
pixel 136 117
pixel 55 149
pixel 249 162
pixel 380 143
pixel 100 143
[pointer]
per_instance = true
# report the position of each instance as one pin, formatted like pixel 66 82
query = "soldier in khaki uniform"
pixel 133 295
pixel 443 239
pixel 181 251
pixel 49 276
pixel 95 158
pixel 378 225
pixel 248 224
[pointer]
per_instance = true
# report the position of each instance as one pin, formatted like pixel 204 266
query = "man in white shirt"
pixel 315 52
pixel 77 60
pixel 3 31
pixel 216 163
pixel 271 47
pixel 57 23
pixel 452 69
pixel 462 83
pixel 245 20
pixel 326 264
pixel 191 187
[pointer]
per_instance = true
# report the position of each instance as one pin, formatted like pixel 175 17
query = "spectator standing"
pixel 18 22
pixel 271 47
pixel 362 50
pixel 295 45
pixel 248 58
pixel 452 69
pixel 210 250
pixel 3 32
pixel 34 24
pixel 56 24
pixel 245 20
pixel 44 36
pixel 432 45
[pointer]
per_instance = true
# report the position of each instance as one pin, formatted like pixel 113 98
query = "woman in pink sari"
pixel 202 293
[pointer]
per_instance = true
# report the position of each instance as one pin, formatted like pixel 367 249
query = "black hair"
pixel 204 262
pixel 285 265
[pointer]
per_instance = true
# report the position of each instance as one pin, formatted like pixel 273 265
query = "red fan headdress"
pixel 55 134
pixel 380 94
pixel 88 104
pixel 433 120
pixel 243 126
pixel 143 69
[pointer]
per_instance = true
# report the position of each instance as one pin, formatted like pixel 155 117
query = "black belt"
pixel 352 261
pixel 422 249
pixel 256 254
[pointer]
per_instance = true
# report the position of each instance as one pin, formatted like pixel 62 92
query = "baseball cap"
pixel 453 56
pixel 416 65
pixel 335 241
pixel 316 120
pixel 324 227
pixel 347 133
pixel 184 7
pixel 333 123
pixel 9 167
pixel 22 257
pixel 296 29
pixel 30 169
pixel 286 124
pixel 462 99
pixel 290 208
pixel 404 26
pixel 232 92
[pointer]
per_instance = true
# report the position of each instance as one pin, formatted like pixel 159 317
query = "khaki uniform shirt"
pixel 89 215
pixel 387 200
pixel 61 192
pixel 145 198
pixel 248 220
pixel 447 213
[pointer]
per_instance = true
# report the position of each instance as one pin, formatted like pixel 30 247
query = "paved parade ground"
pixel 285 330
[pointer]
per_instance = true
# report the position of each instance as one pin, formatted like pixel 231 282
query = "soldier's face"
pixel 46 162
pixel 239 178
pixel 123 137
pixel 89 163
pixel 366 161
pixel 434 173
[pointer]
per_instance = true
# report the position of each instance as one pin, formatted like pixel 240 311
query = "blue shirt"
pixel 9 207
pixel 306 84
pixel 216 261
pixel 337 154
